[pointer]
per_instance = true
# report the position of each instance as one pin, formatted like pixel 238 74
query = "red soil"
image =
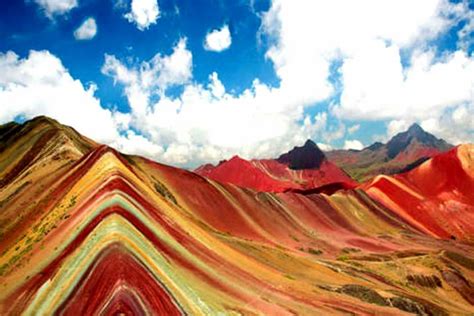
pixel 121 281
pixel 438 195
pixel 272 176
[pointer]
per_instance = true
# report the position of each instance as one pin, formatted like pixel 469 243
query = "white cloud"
pixel 218 40
pixel 56 7
pixel 375 84
pixel 143 13
pixel 397 126
pixel 87 30
pixel 206 122
pixel 135 144
pixel 215 86
pixel 354 128
pixel 377 87
pixel 353 144
pixel 153 76
pixel 309 36
pixel 40 85
pixel 325 147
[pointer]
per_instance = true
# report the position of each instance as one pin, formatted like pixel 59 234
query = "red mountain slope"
pixel 303 168
pixel 85 230
pixel 438 195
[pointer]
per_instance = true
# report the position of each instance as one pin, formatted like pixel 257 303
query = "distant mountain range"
pixel 87 230
pixel 402 153
pixel 307 167
pixel 302 168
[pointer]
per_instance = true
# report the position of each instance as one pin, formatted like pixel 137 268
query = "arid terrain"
pixel 86 230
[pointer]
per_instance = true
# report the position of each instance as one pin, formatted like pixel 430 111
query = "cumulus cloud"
pixel 218 40
pixel 143 13
pixel 87 30
pixel 303 63
pixel 206 122
pixel 353 144
pixel 40 85
pixel 135 144
pixel 325 147
pixel 150 77
pixel 376 84
pixel 429 89
pixel 397 126
pixel 461 118
pixel 56 7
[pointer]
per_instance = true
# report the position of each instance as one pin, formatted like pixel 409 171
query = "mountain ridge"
pixel 401 153
pixel 301 168
pixel 103 232
pixel 308 156
pixel 402 140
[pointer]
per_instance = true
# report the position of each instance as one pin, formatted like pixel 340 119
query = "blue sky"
pixel 187 82
pixel 237 66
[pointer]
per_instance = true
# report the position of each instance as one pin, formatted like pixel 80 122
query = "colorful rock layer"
pixel 302 168
pixel 86 230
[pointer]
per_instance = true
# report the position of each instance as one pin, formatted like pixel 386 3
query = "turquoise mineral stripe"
pixel 113 229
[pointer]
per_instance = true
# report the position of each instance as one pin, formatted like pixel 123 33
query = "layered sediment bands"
pixel 111 234
pixel 437 197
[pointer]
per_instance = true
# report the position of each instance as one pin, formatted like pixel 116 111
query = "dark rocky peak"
pixel 416 129
pixel 308 156
pixel 415 133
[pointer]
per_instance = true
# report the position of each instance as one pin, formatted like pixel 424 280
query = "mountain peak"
pixel 308 156
pixel 310 143
pixel 42 119
pixel 236 158
pixel 415 129
pixel 414 133
pixel 45 128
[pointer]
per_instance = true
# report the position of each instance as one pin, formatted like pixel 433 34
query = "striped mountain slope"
pixel 86 230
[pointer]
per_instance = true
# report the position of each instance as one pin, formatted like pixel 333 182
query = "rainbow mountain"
pixel 86 230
